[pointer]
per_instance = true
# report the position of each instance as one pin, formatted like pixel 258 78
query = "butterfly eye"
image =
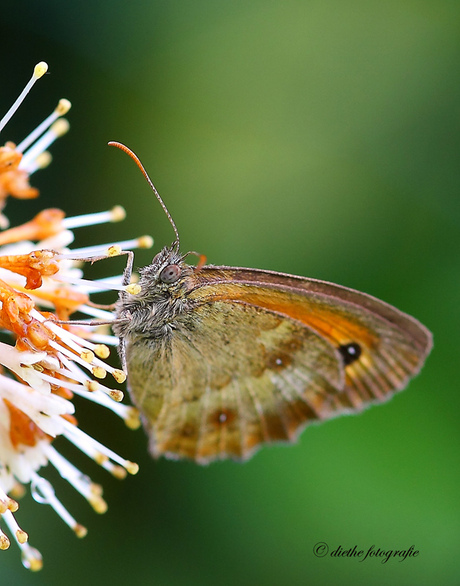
pixel 170 274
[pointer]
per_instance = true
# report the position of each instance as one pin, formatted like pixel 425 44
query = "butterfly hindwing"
pixel 229 377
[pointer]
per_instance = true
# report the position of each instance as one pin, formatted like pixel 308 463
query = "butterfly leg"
pixel 122 353
pixel 126 280
pixel 127 273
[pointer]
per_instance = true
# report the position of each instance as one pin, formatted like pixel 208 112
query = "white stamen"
pixel 70 339
pixel 61 109
pixel 78 390
pixel 58 241
pixel 4 541
pixel 117 279
pixel 67 336
pixel 43 409
pixel 105 339
pixel 99 313
pixel 82 483
pixel 101 249
pixel 85 284
pixel 43 492
pixel 14 528
pixel 97 367
pixel 39 70
pixel 116 214
pixel 40 162
pixel 94 449
pixel 68 471
pixel 16 361
pixel 59 128
pixel 101 396
pixel 31 558
pixel 75 357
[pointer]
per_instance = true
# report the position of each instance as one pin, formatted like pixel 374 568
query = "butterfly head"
pixel 164 277
pixel 147 312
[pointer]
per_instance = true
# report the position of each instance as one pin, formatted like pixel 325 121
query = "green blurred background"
pixel 319 138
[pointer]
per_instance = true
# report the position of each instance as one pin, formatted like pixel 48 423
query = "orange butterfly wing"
pixel 258 355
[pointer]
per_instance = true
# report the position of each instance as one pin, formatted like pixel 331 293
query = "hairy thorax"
pixel 153 311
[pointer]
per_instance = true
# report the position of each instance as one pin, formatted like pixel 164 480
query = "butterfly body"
pixel 221 360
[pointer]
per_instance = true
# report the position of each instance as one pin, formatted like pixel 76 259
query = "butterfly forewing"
pixel 381 347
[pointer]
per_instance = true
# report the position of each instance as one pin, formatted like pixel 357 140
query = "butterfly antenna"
pixel 136 159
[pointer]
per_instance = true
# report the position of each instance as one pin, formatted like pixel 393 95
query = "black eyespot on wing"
pixel 350 353
pixel 170 274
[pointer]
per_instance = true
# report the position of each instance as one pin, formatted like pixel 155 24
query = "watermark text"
pixel 322 549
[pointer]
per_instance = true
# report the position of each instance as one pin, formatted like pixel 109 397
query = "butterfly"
pixel 222 360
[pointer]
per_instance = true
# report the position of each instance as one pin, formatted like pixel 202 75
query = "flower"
pixel 47 359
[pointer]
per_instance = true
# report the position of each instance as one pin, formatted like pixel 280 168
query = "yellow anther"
pixel 132 467
pixel 118 472
pixel 13 505
pixel 96 489
pixel 91 385
pixel 21 536
pixel 60 127
pixel 99 372
pixel 102 351
pixel 132 420
pixel 4 542
pixel 117 213
pixel 114 250
pixel 32 559
pixel 87 356
pixel 63 107
pixel 145 241
pixel 119 375
pixel 43 160
pixel 98 504
pixel 116 395
pixel 80 530
pixel 133 289
pixel 40 69
pixel 34 564
pixel 100 458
